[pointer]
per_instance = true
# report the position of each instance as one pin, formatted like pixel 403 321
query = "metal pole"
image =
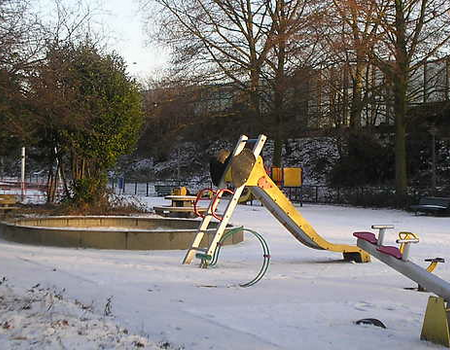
pixel 178 163
pixel 22 180
pixel 433 163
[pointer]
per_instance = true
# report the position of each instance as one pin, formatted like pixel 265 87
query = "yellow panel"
pixel 246 196
pixel 292 177
pixel 227 177
pixel 435 323
pixel 180 191
pixel 277 175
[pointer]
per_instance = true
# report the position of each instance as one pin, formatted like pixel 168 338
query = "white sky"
pixel 125 21
pixel 123 25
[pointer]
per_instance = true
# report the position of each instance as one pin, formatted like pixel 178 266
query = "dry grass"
pixel 115 205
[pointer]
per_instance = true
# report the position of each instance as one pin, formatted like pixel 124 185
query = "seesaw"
pixel 436 322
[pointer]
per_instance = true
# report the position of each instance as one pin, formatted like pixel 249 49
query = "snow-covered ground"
pixel 54 298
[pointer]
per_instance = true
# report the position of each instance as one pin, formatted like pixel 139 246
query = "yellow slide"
pixel 245 169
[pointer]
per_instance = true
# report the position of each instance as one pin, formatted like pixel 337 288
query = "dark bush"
pixel 365 161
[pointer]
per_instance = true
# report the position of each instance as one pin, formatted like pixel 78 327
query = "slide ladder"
pixel 208 253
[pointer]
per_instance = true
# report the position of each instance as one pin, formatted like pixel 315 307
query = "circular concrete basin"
pixel 109 232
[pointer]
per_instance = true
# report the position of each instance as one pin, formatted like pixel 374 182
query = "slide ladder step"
pixel 197 249
pixel 203 256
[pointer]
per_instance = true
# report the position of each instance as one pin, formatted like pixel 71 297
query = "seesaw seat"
pixel 371 238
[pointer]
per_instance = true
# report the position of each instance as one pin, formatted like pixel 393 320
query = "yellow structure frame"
pixel 435 325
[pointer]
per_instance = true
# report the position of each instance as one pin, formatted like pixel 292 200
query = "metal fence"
pixel 366 196
pixel 33 190
pixel 153 188
pixel 370 196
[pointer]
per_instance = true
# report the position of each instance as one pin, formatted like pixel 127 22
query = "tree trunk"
pixel 277 152
pixel 280 24
pixel 50 185
pixel 278 113
pixel 254 100
pixel 357 103
pixel 400 87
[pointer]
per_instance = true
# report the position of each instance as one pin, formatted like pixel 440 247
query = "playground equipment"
pixel 289 177
pixel 245 168
pixel 266 254
pixel 181 206
pixel 246 197
pixel 8 202
pixel 290 181
pixel 436 322
pixel 180 191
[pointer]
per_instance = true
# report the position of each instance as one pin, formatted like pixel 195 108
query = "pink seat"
pixel 367 236
pixel 390 250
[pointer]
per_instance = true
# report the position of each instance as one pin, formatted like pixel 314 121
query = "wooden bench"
pixel 163 190
pixel 185 212
pixel 433 205
pixel 8 203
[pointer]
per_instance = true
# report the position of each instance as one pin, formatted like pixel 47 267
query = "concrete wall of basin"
pixel 109 232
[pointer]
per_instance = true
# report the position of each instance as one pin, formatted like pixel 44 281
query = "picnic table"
pixel 180 206
pixel 181 201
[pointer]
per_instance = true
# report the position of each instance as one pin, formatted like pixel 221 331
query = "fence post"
pixel 301 195
pixel 317 194
pixel 135 188
pixel 22 178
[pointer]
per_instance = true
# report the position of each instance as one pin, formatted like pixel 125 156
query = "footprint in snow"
pixel 363 306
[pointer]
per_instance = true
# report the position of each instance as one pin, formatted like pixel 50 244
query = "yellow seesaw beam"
pixel 265 190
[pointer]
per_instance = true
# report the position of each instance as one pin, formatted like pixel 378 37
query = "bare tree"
pixel 412 32
pixel 20 35
pixel 255 45
pixel 398 37
pixel 349 39
pixel 294 46
pixel 215 41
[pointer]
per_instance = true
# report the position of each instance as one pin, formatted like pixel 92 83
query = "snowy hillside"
pixel 314 155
